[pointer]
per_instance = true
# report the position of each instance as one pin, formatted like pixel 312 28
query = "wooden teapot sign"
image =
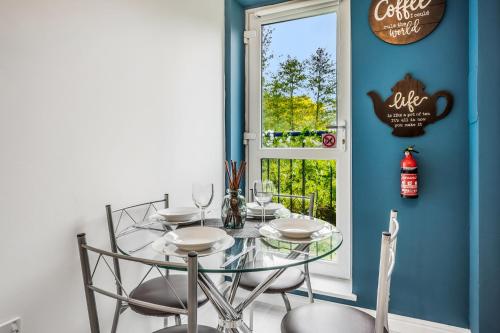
pixel 405 21
pixel 409 109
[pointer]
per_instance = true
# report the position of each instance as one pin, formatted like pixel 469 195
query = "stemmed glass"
pixel 202 197
pixel 263 193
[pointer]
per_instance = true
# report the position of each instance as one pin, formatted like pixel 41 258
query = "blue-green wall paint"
pixel 473 171
pixel 432 280
pixel 484 125
pixel 234 82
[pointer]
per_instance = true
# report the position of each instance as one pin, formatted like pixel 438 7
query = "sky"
pixel 300 38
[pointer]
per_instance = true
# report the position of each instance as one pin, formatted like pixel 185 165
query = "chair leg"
pixel 178 320
pixel 116 316
pixel 308 283
pixel 286 301
pixel 250 319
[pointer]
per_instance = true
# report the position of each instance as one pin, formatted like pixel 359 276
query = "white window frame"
pixel 255 18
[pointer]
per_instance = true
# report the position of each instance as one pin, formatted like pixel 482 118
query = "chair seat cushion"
pixel 332 318
pixel 290 280
pixel 183 329
pixel 158 291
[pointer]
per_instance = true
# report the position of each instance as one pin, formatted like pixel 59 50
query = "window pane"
pixel 299 81
pixel 303 177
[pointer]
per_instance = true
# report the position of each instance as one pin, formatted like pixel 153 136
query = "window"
pixel 298 92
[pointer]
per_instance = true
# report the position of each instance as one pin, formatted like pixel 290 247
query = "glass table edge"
pixel 248 270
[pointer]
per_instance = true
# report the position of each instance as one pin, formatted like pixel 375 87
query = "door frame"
pixel 342 154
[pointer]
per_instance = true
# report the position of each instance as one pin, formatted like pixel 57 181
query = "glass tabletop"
pixel 249 252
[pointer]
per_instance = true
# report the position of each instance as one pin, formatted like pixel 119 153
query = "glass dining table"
pixel 247 250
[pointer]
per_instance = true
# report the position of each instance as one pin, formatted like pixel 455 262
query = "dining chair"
pixel 181 307
pixel 337 318
pixel 293 277
pixel 132 219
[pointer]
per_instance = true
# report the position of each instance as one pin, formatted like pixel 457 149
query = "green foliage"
pixel 267 56
pixel 321 80
pixel 285 85
pixel 287 104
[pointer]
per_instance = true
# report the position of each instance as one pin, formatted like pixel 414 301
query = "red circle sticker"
pixel 329 140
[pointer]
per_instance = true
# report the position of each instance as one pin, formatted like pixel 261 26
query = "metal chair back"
pixel 311 198
pixel 127 215
pixel 189 309
pixel 387 263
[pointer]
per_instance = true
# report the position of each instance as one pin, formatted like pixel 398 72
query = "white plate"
pixel 296 228
pixel 256 209
pixel 161 246
pixel 195 238
pixel 269 232
pixel 178 214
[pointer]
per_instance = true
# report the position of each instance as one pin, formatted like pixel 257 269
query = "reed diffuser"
pixel 234 208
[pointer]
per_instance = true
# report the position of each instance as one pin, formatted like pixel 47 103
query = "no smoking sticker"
pixel 329 140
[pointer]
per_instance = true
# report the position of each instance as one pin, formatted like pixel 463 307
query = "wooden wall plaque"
pixel 409 109
pixel 405 21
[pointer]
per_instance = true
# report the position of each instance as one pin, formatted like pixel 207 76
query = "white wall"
pixel 114 101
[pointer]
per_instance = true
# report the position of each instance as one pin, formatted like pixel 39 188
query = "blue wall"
pixel 431 280
pixel 473 171
pixel 484 122
pixel 234 88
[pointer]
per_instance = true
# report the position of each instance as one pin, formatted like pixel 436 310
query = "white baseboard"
pixel 402 324
pixel 397 324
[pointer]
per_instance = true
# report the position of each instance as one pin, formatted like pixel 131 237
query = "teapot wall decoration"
pixel 409 109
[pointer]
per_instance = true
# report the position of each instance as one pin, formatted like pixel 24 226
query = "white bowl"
pixel 296 227
pixel 178 214
pixel 195 238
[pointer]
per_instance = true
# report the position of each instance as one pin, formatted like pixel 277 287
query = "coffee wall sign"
pixel 405 21
pixel 409 109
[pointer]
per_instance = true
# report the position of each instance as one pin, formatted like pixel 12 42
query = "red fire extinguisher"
pixel 409 175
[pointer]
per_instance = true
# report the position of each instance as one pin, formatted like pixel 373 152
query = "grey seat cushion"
pixel 183 329
pixel 158 291
pixel 290 280
pixel 332 318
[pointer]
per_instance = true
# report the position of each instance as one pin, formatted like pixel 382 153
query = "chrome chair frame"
pixel 311 197
pixel 284 296
pixel 380 322
pixel 387 262
pixel 124 212
pixel 190 309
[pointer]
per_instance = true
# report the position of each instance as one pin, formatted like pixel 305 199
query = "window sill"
pixel 330 287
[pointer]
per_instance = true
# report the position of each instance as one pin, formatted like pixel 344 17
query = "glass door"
pixel 298 107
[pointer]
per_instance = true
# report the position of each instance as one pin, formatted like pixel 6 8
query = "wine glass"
pixel 202 197
pixel 263 193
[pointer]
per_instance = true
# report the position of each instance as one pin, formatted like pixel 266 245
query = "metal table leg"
pixel 237 276
pixel 230 317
